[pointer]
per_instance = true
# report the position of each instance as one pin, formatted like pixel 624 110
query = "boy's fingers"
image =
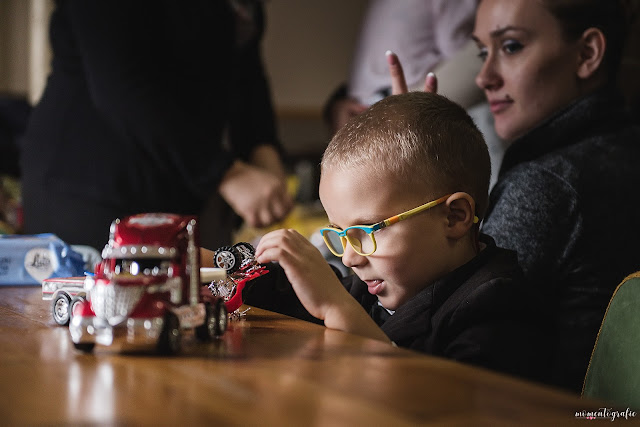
pixel 269 239
pixel 431 83
pixel 278 239
pixel 266 255
pixel 398 83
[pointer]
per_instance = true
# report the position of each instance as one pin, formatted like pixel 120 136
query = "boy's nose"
pixel 351 258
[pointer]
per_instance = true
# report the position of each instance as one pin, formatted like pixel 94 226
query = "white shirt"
pixel 421 32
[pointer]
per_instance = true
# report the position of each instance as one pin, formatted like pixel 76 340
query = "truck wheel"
pixel 60 309
pixel 221 319
pixel 170 337
pixel 85 347
pixel 227 257
pixel 74 302
pixel 203 332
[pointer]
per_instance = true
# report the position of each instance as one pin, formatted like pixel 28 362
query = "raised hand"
pixel 398 82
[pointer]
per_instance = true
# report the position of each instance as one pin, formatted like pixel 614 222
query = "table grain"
pixel 267 369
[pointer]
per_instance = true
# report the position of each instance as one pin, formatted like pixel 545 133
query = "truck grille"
pixel 110 302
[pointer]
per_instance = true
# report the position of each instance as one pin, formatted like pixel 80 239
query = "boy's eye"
pixel 511 46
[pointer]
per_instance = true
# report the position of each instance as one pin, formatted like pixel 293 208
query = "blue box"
pixel 29 259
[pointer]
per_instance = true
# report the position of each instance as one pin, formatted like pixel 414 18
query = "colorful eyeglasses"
pixel 361 238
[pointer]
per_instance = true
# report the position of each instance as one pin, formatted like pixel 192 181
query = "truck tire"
pixel 60 309
pixel 204 331
pixel 74 302
pixel 170 338
pixel 227 257
pixel 215 323
pixel 85 347
pixel 222 319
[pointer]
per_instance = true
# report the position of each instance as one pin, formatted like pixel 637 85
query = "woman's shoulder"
pixel 540 180
pixel 596 122
pixel 605 157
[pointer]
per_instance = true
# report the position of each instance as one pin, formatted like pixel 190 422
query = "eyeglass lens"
pixel 359 239
pixel 333 241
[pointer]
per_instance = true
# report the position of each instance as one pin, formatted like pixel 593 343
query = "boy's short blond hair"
pixel 416 137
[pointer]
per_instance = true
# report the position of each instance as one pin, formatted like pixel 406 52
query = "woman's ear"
pixel 592 47
pixel 460 214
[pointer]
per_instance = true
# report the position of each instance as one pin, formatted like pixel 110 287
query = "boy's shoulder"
pixel 484 313
pixel 491 278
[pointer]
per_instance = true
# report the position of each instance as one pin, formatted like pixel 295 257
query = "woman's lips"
pixel 498 106
pixel 374 286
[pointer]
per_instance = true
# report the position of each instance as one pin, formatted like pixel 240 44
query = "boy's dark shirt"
pixel 481 313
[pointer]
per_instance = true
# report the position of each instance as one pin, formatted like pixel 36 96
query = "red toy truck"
pixel 147 288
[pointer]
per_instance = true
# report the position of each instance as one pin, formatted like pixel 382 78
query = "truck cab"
pixel 147 289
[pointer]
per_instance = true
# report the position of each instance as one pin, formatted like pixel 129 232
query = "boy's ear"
pixel 592 47
pixel 461 210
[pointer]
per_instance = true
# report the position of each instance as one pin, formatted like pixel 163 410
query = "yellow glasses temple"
pixel 414 211
pixel 396 218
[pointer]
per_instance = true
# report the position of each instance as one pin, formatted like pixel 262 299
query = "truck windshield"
pixel 143 266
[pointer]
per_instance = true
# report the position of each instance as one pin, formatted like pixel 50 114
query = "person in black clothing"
pixel 133 116
pixel 414 169
pixel 570 176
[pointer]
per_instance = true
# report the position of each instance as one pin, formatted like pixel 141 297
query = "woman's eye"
pixel 482 54
pixel 511 46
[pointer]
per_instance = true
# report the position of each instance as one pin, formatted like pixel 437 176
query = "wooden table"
pixel 268 369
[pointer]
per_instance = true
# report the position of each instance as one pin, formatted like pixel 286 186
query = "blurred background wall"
pixel 307 50
pixel 24 47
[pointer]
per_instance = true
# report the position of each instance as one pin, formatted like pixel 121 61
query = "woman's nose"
pixel 489 78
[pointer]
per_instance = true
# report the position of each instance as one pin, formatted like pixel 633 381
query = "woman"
pixel 567 192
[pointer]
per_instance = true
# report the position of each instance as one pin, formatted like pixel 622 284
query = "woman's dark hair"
pixel 612 17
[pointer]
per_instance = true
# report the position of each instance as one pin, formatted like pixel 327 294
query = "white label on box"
pixel 40 263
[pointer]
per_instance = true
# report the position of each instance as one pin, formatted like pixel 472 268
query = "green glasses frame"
pixel 370 229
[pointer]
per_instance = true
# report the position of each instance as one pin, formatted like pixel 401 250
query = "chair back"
pixel 613 374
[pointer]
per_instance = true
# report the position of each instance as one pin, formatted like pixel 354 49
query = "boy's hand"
pixel 315 283
pixel 313 280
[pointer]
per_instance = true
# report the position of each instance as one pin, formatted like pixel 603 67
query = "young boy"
pixel 404 185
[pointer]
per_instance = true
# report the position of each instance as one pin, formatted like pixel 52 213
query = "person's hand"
pixel 257 195
pixel 398 82
pixel 343 110
pixel 313 280
pixel 315 283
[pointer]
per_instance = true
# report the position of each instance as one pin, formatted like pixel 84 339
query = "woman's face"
pixel 529 69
